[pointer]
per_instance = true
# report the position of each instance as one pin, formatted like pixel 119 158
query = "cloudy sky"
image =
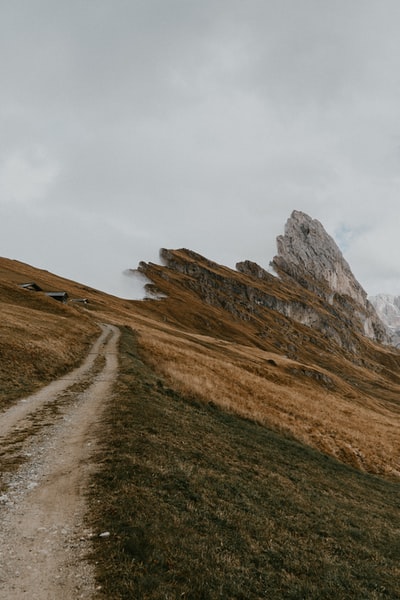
pixel 130 125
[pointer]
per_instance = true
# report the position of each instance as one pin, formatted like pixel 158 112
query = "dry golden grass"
pixel 346 410
pixel 203 504
pixel 200 489
pixel 341 422
pixel 40 339
pixel 37 347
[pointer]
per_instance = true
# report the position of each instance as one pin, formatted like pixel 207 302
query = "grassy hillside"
pixel 310 403
pixel 241 458
pixel 202 504
pixel 40 339
pixel 349 409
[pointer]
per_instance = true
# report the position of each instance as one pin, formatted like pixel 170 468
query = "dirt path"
pixel 51 436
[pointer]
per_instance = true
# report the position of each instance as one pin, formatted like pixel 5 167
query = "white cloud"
pixel 126 126
pixel 25 176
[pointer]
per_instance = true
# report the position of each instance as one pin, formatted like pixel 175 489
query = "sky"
pixel 130 125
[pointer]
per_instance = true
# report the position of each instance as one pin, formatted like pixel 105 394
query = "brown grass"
pixel 201 504
pixel 342 422
pixel 41 339
pixel 14 448
pixel 345 409
pixel 211 480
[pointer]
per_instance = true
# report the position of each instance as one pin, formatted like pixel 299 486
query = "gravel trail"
pixel 52 435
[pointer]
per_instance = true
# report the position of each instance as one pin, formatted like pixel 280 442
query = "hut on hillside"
pixel 59 296
pixel 32 286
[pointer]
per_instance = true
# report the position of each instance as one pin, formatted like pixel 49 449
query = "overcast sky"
pixel 130 125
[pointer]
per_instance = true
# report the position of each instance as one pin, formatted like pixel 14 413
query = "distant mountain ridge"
pixel 387 307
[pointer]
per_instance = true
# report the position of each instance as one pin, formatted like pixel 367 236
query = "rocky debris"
pixel 105 534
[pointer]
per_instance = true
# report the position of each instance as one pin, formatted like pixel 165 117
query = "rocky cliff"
pixel 313 310
pixel 387 307
pixel 308 256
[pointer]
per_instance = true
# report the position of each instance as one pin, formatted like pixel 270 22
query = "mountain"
pixel 250 447
pixel 314 299
pixel 308 256
pixel 308 330
pixel 387 307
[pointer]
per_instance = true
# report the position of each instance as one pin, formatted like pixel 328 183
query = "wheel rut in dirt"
pixel 46 444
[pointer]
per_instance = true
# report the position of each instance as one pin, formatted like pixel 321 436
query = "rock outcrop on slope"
pixel 309 256
pixel 314 308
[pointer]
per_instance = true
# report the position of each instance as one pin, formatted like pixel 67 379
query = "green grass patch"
pixel 204 505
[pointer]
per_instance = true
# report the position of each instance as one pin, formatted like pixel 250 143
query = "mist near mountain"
pixel 126 126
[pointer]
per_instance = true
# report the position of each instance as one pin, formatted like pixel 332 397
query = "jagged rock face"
pixel 315 305
pixel 307 252
pixel 387 307
pixel 309 256
pixel 255 300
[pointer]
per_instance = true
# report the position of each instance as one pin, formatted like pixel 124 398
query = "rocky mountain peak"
pixel 308 254
pixel 315 297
